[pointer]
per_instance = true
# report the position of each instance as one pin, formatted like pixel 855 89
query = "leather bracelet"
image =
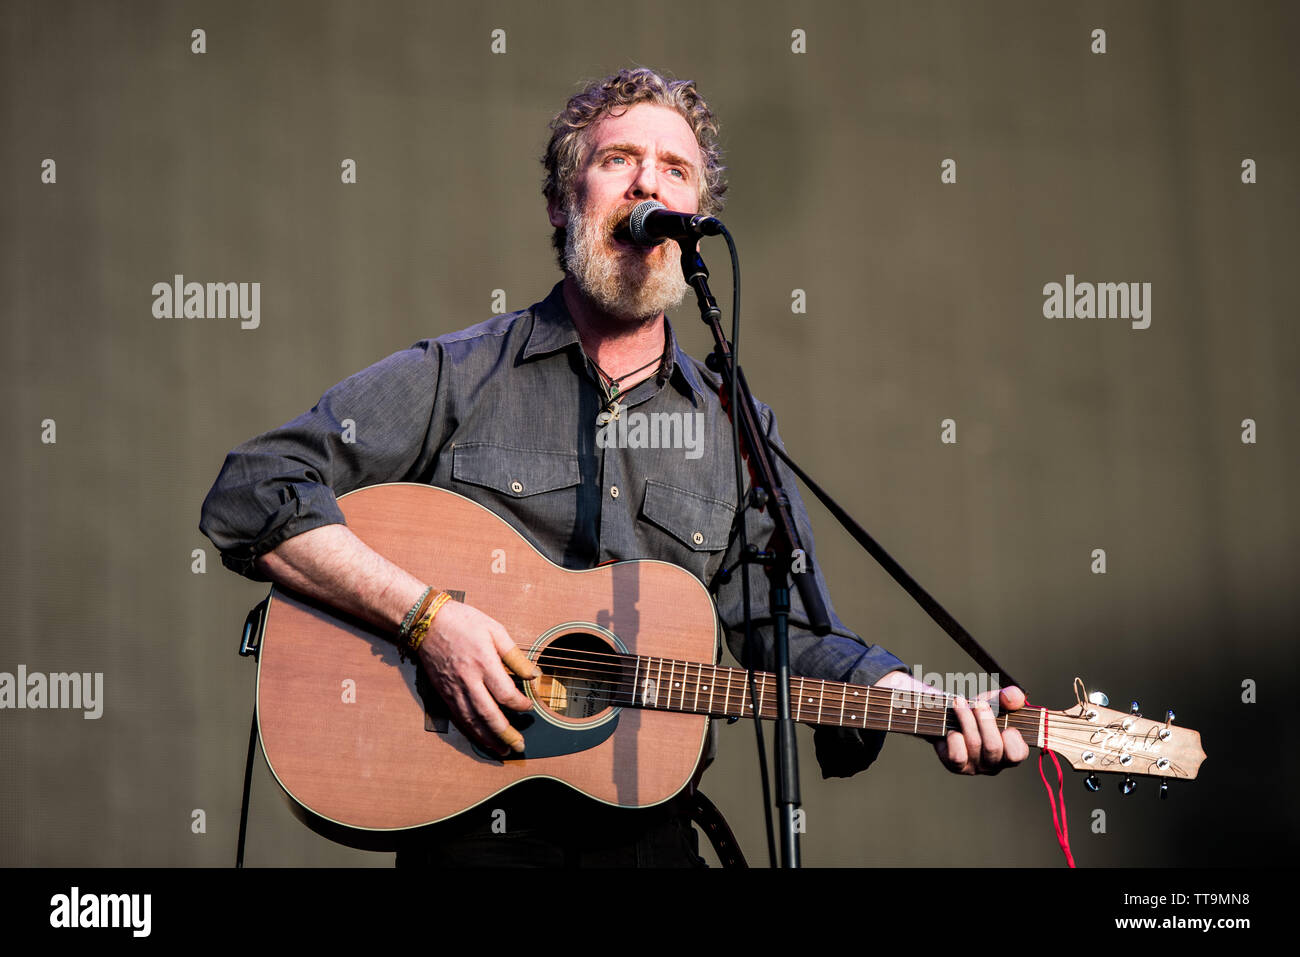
pixel 422 627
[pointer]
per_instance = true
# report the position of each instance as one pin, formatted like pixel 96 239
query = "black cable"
pixel 248 784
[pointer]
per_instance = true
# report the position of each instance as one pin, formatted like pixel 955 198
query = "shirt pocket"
pixel 700 523
pixel 514 473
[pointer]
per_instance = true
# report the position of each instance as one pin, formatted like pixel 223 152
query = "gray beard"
pixel 625 284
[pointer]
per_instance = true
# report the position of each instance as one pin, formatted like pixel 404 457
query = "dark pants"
pixel 545 824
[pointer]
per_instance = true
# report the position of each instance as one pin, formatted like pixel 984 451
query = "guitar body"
pixel 356 740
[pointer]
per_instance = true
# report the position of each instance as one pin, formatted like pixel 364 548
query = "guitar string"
pixel 929 728
pixel 622 683
pixel 628 687
pixel 929 724
pixel 1023 720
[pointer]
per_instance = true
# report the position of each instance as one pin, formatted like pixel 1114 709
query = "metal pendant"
pixel 609 414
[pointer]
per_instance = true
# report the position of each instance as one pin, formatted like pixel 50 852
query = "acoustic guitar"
pixel 360 741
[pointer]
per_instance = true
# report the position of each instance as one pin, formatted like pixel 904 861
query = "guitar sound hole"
pixel 580 677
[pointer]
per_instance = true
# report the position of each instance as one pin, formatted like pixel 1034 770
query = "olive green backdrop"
pixel 924 302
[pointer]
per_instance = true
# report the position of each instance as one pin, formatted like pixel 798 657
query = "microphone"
pixel 650 223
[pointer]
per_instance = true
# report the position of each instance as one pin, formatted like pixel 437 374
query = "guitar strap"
pixel 250 642
pixel 710 820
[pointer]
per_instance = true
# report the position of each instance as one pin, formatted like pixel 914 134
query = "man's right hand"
pixel 466 654
pixel 463 653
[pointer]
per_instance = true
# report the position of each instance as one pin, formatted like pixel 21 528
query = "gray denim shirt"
pixel 506 413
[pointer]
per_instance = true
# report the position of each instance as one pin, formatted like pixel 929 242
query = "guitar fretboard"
pixel 666 684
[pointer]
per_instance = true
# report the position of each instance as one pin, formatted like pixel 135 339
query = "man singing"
pixel 509 413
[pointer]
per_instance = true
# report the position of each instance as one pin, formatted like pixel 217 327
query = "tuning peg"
pixel 1127 786
pixel 1134 708
pixel 1164 790
pixel 1091 783
pixel 1099 699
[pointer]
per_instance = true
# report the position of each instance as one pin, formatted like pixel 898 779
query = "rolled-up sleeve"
pixel 838 656
pixel 372 427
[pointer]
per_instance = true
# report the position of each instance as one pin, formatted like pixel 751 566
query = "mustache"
pixel 616 224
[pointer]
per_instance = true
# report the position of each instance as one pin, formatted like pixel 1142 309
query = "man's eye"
pixel 617 159
pixel 681 173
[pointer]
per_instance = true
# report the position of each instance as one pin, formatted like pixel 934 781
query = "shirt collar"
pixel 553 331
pixel 682 367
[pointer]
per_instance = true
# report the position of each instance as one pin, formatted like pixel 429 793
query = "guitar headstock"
pixel 1095 738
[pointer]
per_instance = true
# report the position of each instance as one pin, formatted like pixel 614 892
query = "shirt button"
pixel 613 491
pixel 697 538
pixel 516 487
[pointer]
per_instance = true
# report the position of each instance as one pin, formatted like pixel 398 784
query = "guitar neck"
pixel 690 687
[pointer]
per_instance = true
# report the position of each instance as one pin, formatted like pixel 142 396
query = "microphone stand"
pixel 782 550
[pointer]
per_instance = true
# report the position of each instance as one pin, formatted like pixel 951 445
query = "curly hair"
pixel 623 90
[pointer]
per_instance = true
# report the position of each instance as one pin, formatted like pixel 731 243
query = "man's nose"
pixel 646 183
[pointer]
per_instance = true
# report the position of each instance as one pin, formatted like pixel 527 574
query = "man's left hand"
pixel 978 747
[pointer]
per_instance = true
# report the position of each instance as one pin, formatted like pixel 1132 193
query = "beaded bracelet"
pixel 412 616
